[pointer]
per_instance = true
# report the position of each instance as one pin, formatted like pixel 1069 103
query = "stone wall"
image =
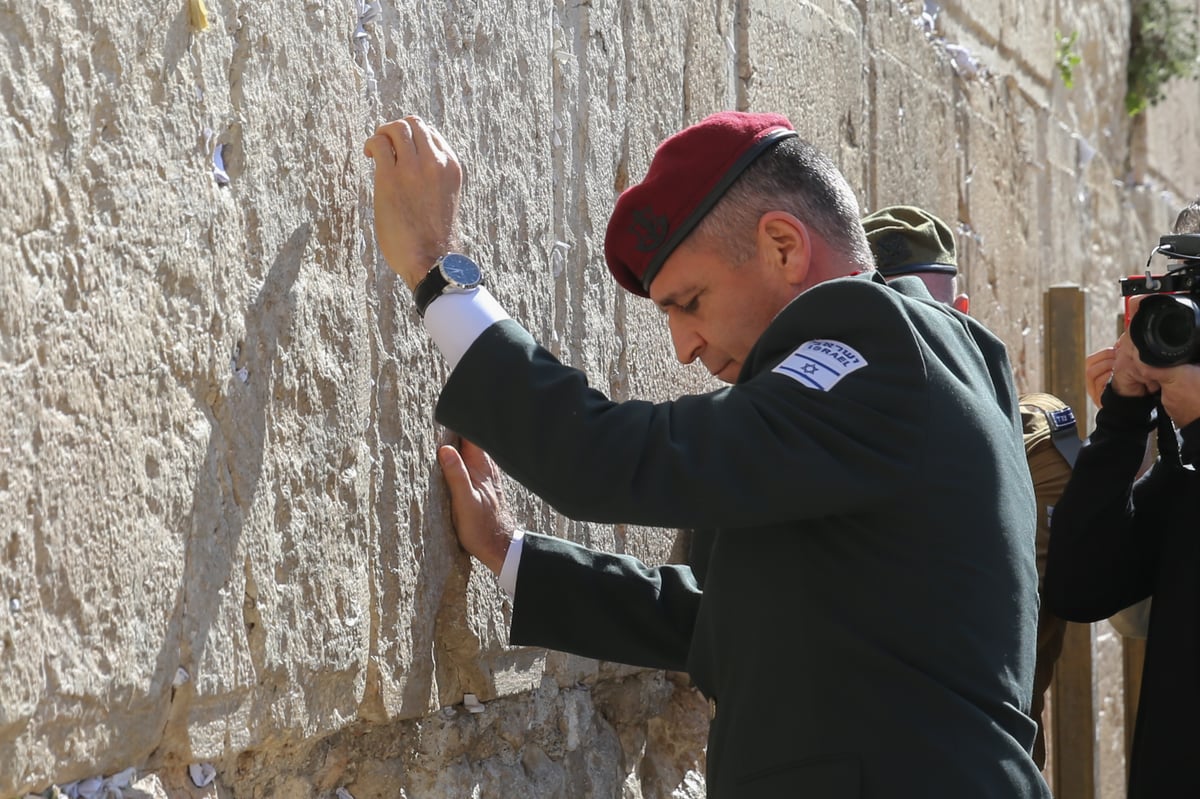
pixel 224 536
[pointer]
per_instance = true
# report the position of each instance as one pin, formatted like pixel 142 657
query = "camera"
pixel 1166 327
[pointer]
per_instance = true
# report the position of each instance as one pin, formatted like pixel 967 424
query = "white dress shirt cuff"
pixel 455 320
pixel 512 563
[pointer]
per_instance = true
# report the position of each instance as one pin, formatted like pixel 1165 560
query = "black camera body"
pixel 1166 327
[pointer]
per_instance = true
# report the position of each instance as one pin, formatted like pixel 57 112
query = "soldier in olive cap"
pixel 906 240
pixel 911 242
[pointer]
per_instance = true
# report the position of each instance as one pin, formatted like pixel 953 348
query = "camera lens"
pixel 1166 330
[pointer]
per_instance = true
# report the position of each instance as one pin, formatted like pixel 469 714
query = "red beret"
pixel 688 175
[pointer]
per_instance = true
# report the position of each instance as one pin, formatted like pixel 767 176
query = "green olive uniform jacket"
pixel 866 624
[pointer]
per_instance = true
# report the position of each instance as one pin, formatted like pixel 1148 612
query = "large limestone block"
pixel 188 361
pixel 1122 228
pixel 1010 36
pixel 1094 106
pixel 807 60
pixel 914 155
pixel 235 311
pixel 640 735
pixel 998 248
pixel 1026 31
pixel 1171 132
pixel 1067 163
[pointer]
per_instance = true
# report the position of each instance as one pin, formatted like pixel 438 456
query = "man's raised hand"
pixel 417 181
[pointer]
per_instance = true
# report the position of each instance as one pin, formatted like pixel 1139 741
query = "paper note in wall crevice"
pixel 472 703
pixel 222 177
pixel 198 14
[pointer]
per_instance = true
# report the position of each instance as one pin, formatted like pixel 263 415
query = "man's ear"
pixel 962 303
pixel 784 243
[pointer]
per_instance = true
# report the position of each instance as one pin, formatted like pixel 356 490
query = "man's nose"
pixel 687 340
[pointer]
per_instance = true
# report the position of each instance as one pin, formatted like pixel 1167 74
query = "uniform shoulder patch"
pixel 821 363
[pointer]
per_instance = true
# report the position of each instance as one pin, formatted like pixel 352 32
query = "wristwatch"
pixel 452 273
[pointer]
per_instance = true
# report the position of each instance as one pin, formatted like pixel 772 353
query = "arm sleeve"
pixel 512 564
pixel 454 321
pixel 609 607
pixel 1106 531
pixel 697 461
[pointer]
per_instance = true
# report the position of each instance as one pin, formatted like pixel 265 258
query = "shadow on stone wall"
pixel 225 489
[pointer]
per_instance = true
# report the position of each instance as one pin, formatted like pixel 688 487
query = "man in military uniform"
pixel 867 620
pixel 910 242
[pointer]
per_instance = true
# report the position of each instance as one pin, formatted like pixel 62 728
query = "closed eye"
pixel 671 304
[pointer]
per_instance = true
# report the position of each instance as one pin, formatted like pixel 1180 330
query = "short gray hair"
pixel 796 177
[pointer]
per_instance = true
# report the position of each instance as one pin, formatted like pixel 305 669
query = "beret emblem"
pixel 650 229
pixel 893 248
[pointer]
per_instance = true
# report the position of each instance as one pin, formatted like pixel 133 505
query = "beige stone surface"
pixel 807 60
pixel 218 455
pixel 914 155
pixel 148 464
pixel 1170 143
pixel 1094 106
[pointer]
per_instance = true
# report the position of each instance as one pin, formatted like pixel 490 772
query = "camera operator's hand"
pixel 1180 387
pixel 417 180
pixel 1129 377
pixel 1098 370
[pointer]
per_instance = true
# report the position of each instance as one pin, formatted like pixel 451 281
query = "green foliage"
pixel 1162 46
pixel 1065 57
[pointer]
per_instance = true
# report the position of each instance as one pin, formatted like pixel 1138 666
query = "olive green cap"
pixel 905 239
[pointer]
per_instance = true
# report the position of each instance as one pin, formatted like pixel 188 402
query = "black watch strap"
pixel 429 289
pixel 452 272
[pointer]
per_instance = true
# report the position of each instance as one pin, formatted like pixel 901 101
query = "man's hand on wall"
pixel 417 180
pixel 477 503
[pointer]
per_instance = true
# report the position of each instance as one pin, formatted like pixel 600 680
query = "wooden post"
pixel 1073 719
pixel 1066 346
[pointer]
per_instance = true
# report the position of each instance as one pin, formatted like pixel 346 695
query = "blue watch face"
pixel 460 271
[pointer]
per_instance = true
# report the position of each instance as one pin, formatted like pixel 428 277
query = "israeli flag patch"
pixel 820 364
